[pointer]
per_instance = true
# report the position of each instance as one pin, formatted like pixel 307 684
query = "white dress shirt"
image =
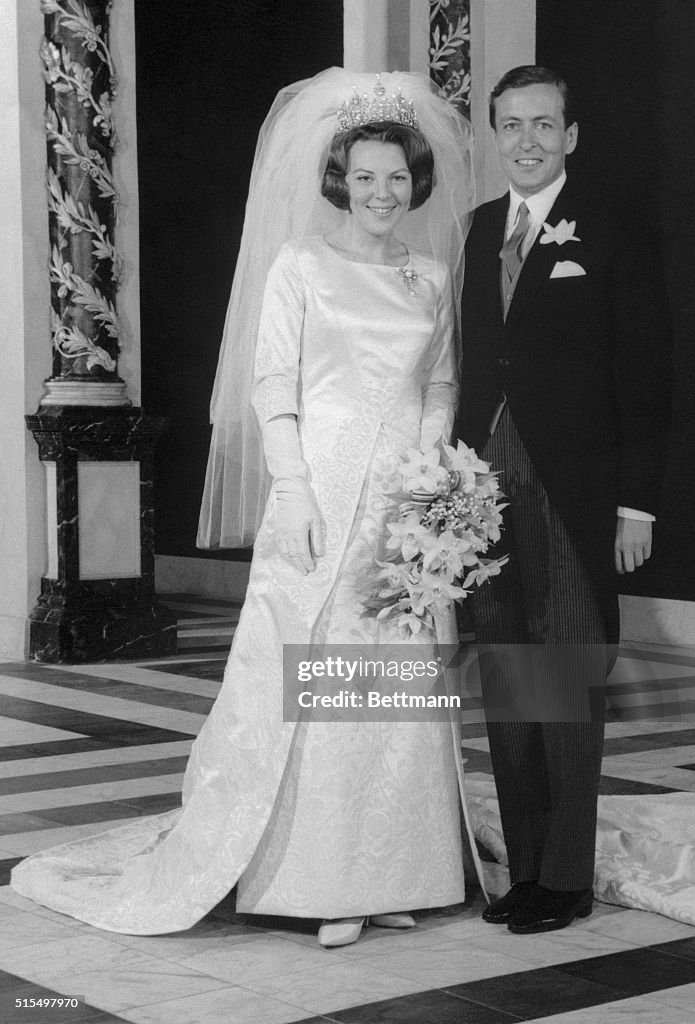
pixel 539 206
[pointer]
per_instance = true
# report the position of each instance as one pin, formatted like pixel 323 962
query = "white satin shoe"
pixel 346 930
pixel 392 920
pixel 342 932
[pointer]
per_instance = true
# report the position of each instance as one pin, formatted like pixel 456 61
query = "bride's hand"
pixel 297 522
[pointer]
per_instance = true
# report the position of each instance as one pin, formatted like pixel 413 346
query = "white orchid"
pixel 561 233
pixel 433 592
pixel 408 536
pixel 422 473
pixel 466 463
pixel 484 572
pixel 462 457
pixel 445 552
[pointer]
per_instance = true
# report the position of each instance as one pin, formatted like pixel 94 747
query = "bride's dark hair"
pixel 418 157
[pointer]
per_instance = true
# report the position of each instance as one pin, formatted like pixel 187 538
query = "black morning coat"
pixel 584 361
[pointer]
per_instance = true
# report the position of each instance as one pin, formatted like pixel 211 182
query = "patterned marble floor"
pixel 84 748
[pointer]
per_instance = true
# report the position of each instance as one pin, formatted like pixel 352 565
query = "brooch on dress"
pixel 408 277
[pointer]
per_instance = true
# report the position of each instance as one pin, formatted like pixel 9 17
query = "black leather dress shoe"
pixel 500 911
pixel 547 910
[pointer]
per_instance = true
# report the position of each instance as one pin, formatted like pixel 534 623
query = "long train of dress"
pixel 310 819
pixel 645 847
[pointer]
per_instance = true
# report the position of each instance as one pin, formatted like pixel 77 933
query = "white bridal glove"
pixel 297 518
pixel 437 415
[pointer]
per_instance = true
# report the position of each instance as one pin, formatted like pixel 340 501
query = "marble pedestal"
pixel 97 599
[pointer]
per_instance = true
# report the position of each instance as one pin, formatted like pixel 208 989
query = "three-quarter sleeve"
pixel 440 376
pixel 278 350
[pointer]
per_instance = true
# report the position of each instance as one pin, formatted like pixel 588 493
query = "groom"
pixel 565 391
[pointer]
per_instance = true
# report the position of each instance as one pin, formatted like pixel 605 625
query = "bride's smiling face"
pixel 380 185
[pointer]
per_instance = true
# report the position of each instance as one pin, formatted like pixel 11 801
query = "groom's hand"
pixel 633 544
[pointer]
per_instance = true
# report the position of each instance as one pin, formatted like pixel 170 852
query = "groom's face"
pixel 532 140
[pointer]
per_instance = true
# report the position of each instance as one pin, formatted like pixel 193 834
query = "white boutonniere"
pixel 561 233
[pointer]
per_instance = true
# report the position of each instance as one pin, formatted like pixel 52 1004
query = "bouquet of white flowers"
pixel 447 516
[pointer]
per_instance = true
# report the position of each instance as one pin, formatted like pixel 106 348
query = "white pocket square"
pixel 567 268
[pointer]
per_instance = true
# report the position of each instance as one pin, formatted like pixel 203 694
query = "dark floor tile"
pixel 648 741
pixel 106 810
pixel 203 602
pixel 635 971
pixel 18 821
pixel 654 711
pixel 9 981
pixel 204 669
pixel 184 614
pixel 157 803
pixel 80 745
pixel 678 947
pixel 6 868
pixel 121 688
pixel 13 989
pixel 609 786
pixel 537 993
pixel 203 649
pixel 473 731
pixel 21 751
pixel 83 814
pixel 657 657
pixel 432 1007
pixel 89 776
pixel 102 1018
pixel 316 1020
pixel 685 683
pixel 101 726
pixel 177 700
pixel 476 760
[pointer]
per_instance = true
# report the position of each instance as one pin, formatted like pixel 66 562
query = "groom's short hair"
pixel 533 74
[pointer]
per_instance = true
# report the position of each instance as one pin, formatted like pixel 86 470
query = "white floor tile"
pixel 148 982
pixel 229 1005
pixel 121 789
pixel 21 844
pixel 14 733
pixel 247 959
pixel 336 986
pixel 98 704
pixel 93 758
pixel 640 927
pixel 144 676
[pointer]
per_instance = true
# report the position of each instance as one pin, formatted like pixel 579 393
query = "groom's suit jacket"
pixel 584 361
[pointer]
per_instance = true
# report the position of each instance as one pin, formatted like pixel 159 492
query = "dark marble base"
pixel 99 624
pixel 78 620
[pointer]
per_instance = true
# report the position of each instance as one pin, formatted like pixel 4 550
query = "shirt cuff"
pixel 634 513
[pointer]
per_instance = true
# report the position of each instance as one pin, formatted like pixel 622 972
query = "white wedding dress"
pixel 316 819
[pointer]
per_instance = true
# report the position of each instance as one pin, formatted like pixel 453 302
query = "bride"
pixel 362 257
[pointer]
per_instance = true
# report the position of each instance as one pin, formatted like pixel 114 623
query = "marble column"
pixel 84 266
pixel 97 596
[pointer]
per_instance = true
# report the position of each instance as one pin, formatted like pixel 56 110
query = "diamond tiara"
pixel 363 110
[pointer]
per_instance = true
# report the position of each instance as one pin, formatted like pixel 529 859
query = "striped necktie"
pixel 510 253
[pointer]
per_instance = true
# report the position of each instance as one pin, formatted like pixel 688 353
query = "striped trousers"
pixel 541 642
